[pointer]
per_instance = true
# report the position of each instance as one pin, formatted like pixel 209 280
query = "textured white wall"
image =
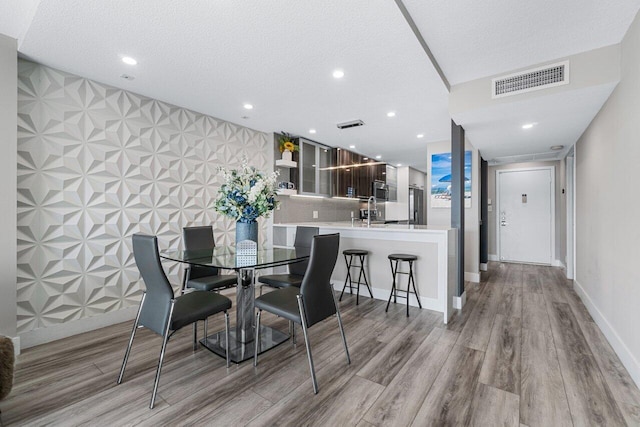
pixel 607 208
pixel 8 117
pixel 97 164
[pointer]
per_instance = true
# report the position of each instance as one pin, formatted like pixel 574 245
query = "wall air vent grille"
pixel 530 80
pixel 520 158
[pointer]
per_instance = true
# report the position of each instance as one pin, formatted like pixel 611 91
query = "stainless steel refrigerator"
pixel 416 206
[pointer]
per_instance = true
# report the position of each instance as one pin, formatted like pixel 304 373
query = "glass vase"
pixel 247 231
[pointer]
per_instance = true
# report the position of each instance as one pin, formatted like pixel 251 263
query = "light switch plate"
pixel 315 214
pixel 488 201
pixel 490 208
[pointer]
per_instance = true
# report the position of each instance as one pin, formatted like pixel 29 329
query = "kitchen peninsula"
pixel 435 272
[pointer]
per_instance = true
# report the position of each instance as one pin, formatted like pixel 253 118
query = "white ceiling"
pixel 214 56
pixel 472 39
pixel 561 118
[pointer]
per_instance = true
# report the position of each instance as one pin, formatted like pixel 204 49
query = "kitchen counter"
pixel 378 226
pixel 436 248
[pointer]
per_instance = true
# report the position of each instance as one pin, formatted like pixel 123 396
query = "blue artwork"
pixel 441 180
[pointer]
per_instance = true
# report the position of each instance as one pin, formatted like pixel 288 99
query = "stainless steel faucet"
pixel 369 200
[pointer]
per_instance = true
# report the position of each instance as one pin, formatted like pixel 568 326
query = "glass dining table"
pixel 241 340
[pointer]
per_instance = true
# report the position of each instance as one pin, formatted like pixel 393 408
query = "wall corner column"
pixel 457 197
pixel 8 186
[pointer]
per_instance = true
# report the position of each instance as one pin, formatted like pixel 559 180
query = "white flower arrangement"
pixel 247 193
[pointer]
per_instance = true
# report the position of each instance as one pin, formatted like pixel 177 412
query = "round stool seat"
pixel 355 252
pixel 403 257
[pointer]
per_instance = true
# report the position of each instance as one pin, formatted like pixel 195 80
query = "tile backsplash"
pixel 300 209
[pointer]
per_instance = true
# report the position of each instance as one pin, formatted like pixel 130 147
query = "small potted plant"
pixel 287 146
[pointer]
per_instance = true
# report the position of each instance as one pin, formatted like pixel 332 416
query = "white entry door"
pixel 525 216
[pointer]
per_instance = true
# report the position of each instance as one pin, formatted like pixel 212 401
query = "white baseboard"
pixel 484 266
pixel 472 277
pixel 623 352
pixel 383 294
pixel 493 257
pixel 558 263
pixel 64 330
pixel 459 302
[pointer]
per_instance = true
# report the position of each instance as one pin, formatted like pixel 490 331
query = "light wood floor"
pixel 524 352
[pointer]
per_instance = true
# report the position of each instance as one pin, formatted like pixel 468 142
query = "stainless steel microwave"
pixel 380 190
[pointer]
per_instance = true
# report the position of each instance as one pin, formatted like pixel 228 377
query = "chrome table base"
pixel 239 351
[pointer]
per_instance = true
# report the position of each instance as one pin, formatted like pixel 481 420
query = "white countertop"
pixel 362 226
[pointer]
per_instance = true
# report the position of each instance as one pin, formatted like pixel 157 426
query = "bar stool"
pixel 394 271
pixel 349 254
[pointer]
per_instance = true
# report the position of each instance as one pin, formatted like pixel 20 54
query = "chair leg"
pixel 195 335
pixel 393 286
pixel 344 338
pixel 226 334
pixel 364 274
pixel 348 278
pixel 185 277
pixel 257 339
pixel 413 282
pixel 205 328
pixel 361 258
pixel 292 332
pixel 165 339
pixel 307 344
pixel 133 334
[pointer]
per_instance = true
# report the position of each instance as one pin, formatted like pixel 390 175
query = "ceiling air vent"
pixel 530 80
pixel 351 124
pixel 520 158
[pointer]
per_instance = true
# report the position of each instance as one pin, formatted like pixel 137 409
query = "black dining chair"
pixel 313 302
pixel 163 313
pixel 199 277
pixel 304 237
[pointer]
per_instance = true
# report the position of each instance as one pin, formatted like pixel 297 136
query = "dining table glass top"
pixel 228 258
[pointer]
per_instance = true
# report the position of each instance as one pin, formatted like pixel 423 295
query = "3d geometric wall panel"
pixel 97 164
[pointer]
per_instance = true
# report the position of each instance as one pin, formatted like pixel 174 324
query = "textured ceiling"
pixel 212 57
pixel 472 39
pixel 561 118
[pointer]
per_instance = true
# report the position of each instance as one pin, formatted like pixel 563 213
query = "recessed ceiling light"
pixel 338 74
pixel 399 164
pixel 420 135
pixel 391 114
pixel 528 125
pixel 248 107
pixel 378 157
pixel 557 147
pixel 365 158
pixel 312 131
pixel 129 60
pixel 352 146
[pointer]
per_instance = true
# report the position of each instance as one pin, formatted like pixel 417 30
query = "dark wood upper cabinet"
pixel 353 176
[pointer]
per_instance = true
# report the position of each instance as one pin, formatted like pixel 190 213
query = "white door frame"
pixel 570 214
pixel 552 169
